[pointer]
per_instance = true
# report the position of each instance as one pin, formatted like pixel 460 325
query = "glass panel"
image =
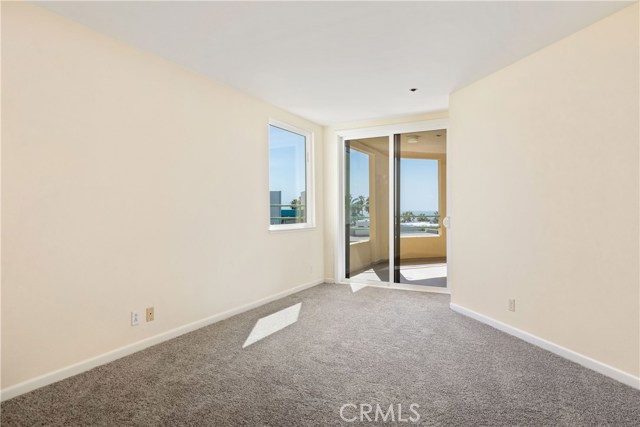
pixel 358 197
pixel 420 244
pixel 419 202
pixel 287 177
pixel 367 209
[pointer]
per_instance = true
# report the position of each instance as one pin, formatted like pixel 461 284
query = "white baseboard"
pixel 328 280
pixel 571 355
pixel 85 365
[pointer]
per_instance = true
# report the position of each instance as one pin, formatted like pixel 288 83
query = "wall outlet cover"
pixel 135 318
pixel 150 314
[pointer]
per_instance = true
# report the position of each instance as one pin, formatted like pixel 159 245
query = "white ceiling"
pixel 334 62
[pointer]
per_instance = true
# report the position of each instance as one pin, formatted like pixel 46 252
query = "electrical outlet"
pixel 512 305
pixel 150 314
pixel 135 318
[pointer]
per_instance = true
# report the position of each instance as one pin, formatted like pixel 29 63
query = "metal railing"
pixel 298 211
pixel 357 231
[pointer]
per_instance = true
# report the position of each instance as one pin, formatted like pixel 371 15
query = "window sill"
pixel 291 227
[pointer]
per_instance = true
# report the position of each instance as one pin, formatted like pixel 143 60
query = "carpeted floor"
pixel 374 346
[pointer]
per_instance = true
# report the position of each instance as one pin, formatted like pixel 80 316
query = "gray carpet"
pixel 375 346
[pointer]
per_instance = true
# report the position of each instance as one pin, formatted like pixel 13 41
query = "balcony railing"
pixel 417 226
pixel 359 228
pixel 293 214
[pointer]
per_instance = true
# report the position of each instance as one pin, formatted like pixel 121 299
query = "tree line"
pixel 409 216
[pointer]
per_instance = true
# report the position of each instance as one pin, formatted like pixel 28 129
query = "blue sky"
pixel 286 163
pixel 418 185
pixel 359 183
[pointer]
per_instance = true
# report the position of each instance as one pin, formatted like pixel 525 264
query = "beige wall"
pixel 543 168
pixel 120 174
pixel 360 256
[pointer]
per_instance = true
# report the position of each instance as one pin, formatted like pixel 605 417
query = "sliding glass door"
pixel 394 206
pixel 366 209
pixel 420 247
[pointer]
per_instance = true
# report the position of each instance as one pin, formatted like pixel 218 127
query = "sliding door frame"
pixel 387 131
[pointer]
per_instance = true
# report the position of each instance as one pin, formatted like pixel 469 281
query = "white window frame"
pixel 309 177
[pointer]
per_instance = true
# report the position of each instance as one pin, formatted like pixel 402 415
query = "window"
pixel 420 198
pixel 290 189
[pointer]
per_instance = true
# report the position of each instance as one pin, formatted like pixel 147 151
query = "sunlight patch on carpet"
pixel 355 287
pixel 273 323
